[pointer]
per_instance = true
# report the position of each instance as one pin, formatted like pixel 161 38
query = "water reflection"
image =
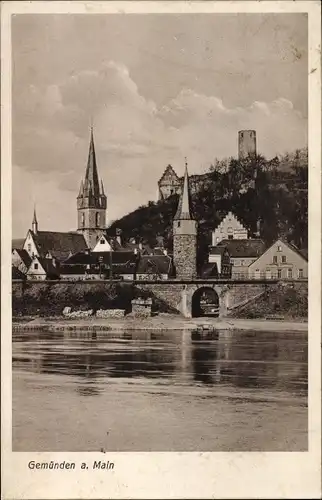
pixel 235 358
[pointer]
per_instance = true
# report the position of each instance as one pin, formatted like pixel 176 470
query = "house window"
pixel 102 242
pixel 300 273
pixel 275 259
pixel 283 259
pixel 35 265
pixel 230 230
pixel 279 273
pixel 242 263
pixel 179 223
pixel 29 247
pixel 289 273
pixel 230 236
pixel 279 248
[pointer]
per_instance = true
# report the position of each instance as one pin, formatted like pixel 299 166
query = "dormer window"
pixel 102 242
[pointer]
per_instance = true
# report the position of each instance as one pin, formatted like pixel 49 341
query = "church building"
pixel 91 201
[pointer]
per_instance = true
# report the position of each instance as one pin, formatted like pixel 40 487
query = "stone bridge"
pixel 184 296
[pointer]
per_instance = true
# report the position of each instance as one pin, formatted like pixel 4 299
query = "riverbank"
pixel 157 323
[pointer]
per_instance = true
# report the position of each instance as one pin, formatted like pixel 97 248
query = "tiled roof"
pixel 86 258
pixel 24 255
pixel 303 252
pixel 60 245
pixel 16 273
pixel 244 248
pixel 48 266
pixel 17 243
pixel 218 250
pixel 155 264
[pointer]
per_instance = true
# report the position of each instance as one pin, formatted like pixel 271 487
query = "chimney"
pixel 118 233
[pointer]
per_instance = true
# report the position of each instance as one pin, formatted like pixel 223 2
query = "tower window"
pixel 97 219
pixel 83 219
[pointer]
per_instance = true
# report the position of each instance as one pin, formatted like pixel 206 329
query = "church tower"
pixel 34 224
pixel 91 201
pixel 185 235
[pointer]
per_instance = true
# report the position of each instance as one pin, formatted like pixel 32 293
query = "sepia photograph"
pixel 160 167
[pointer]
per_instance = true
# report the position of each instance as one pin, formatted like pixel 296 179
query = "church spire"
pixel 183 210
pixel 91 175
pixel 35 222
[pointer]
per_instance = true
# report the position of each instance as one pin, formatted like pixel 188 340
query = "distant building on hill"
pixel 246 143
pixel 169 183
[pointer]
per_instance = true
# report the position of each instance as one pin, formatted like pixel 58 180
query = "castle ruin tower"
pixel 34 224
pixel 246 143
pixel 91 201
pixel 185 235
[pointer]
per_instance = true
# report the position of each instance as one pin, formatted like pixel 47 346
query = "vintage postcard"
pixel 161 297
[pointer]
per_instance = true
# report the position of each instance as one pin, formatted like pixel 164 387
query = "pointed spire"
pixel 91 170
pixel 183 210
pixel 35 222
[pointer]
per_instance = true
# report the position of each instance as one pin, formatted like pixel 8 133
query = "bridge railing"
pixel 263 275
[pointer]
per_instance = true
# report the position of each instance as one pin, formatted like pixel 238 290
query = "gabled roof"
pixel 169 172
pixel 112 240
pixel 154 264
pixel 60 245
pixel 303 253
pixel 48 266
pixel 252 247
pixel 24 255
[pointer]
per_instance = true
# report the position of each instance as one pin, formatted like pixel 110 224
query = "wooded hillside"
pixel 273 191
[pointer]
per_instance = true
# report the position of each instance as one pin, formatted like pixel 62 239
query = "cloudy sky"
pixel 158 88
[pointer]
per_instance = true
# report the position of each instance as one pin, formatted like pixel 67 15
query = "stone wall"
pixel 185 255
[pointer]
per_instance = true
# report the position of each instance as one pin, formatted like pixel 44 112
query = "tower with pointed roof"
pixel 91 200
pixel 185 235
pixel 34 224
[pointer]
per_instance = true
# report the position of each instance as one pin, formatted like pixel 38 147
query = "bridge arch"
pixel 205 302
pixel 192 296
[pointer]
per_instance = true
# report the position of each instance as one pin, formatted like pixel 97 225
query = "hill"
pixel 274 192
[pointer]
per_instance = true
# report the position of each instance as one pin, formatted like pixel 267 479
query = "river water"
pixel 160 391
